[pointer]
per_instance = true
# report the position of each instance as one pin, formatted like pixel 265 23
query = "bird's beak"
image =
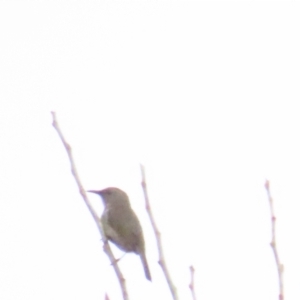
pixel 95 192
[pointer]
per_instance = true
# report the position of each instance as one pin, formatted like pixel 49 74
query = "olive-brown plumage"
pixel 121 225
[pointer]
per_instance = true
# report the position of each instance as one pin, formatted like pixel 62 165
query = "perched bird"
pixel 121 225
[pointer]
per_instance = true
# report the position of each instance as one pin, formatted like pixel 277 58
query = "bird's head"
pixel 112 196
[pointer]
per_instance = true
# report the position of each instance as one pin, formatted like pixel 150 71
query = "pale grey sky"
pixel 204 94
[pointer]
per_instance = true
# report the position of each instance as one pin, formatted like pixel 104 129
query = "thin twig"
pixel 106 247
pixel 192 283
pixel 273 242
pixel 162 260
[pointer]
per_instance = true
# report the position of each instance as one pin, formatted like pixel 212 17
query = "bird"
pixel 121 225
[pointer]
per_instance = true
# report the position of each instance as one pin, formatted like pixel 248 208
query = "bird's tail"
pixel 145 265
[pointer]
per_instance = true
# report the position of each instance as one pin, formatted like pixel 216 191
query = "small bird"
pixel 121 225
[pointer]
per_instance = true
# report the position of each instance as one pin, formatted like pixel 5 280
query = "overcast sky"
pixel 204 94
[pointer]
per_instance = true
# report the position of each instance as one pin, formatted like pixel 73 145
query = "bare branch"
pixel 192 285
pixel 106 247
pixel 162 260
pixel 273 242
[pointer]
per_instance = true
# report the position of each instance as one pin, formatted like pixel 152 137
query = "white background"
pixel 205 95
